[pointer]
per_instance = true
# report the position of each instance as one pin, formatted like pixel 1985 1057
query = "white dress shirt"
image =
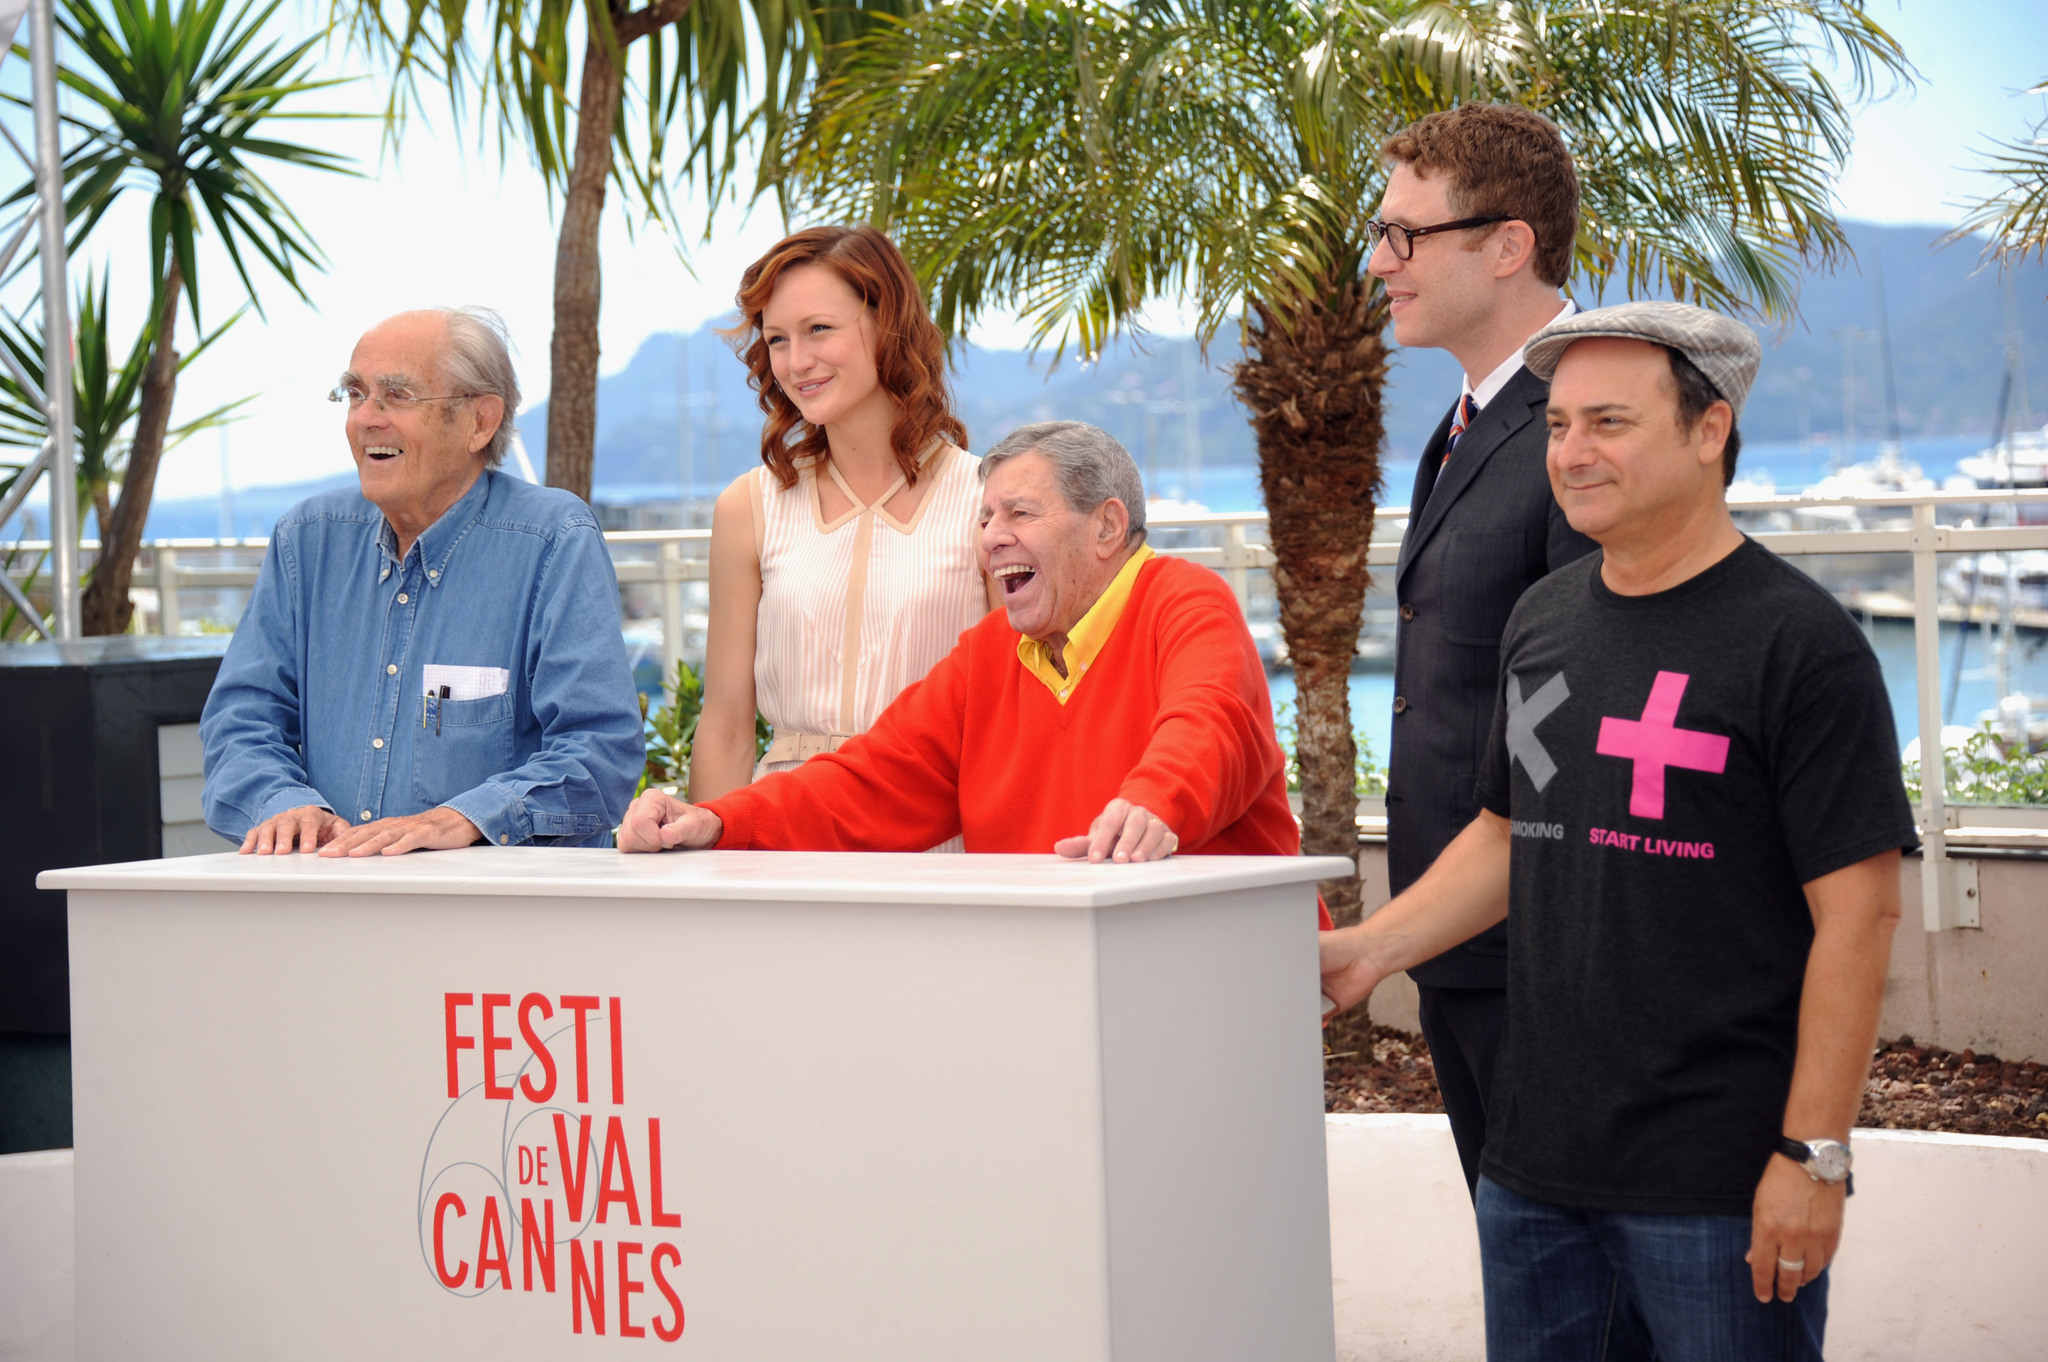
pixel 1490 386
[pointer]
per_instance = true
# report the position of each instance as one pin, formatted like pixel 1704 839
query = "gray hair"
pixel 478 361
pixel 1088 463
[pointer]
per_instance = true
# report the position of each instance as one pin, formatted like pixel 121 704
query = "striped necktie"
pixel 1468 408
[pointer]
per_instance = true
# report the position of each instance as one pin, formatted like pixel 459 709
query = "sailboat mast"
pixel 1884 345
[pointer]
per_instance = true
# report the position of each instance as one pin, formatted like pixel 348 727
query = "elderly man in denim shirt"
pixel 434 660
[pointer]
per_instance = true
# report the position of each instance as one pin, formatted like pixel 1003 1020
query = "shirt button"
pixel 1063 695
pixel 366 815
pixel 401 598
pixel 434 573
pixel 384 574
pixel 376 742
pixel 504 838
pixel 1400 704
pixel 1407 612
pixel 391 669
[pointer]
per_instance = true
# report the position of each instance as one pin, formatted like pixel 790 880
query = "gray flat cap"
pixel 1723 349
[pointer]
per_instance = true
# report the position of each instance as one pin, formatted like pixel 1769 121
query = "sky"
pixel 444 221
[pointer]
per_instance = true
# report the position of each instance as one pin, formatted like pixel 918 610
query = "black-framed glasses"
pixel 391 399
pixel 1402 239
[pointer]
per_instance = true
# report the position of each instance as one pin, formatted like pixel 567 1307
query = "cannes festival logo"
pixel 528 1184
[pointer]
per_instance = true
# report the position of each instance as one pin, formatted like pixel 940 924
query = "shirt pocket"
pixel 1485 573
pixel 462 744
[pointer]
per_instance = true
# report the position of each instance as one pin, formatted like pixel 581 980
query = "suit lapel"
pixel 1425 480
pixel 1512 408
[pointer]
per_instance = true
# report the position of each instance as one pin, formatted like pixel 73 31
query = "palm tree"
pixel 106 399
pixel 1079 158
pixel 2016 217
pixel 695 68
pixel 107 395
pixel 179 99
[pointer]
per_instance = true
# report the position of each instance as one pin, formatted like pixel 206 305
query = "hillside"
pixel 1947 321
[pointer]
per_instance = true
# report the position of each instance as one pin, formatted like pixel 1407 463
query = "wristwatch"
pixel 1823 1160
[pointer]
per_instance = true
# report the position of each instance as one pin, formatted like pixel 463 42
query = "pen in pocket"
pixel 430 707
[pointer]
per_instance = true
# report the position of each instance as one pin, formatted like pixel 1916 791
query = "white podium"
pixel 527 1103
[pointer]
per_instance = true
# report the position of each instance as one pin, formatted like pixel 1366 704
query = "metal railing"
pixel 1948 898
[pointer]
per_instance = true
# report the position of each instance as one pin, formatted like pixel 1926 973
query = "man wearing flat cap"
pixel 1691 819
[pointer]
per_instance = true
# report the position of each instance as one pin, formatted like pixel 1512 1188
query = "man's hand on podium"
pixel 440 829
pixel 306 827
pixel 657 821
pixel 1123 831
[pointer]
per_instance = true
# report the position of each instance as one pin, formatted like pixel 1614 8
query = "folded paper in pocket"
pixel 467 683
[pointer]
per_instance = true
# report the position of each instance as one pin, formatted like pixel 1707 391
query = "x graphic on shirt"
pixel 1523 716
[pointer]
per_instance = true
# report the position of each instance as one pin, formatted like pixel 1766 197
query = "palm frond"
pixel 2014 217
pixel 179 98
pixel 1075 159
pixel 703 77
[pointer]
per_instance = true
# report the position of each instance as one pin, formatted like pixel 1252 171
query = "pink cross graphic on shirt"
pixel 1656 742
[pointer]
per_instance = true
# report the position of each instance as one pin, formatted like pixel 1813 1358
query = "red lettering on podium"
pixel 538 1244
pixel 618 1057
pixel 493 1042
pixel 667 1220
pixel 540 1050
pixel 582 1007
pixel 586 1285
pixel 667 1333
pixel 574 1183
pixel 615 1144
pixel 540 1079
pixel 628 1288
pixel 449 1003
pixel 449 1280
pixel 486 1258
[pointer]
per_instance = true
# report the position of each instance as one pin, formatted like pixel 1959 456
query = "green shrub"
pixel 1984 770
pixel 672 729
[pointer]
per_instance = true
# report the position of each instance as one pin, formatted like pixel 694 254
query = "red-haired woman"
pixel 846 565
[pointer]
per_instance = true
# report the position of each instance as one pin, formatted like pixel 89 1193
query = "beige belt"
pixel 802 746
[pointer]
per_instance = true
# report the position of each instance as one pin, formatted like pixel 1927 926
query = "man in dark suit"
pixel 1473 243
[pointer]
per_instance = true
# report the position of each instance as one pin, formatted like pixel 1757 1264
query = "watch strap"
pixel 1801 1154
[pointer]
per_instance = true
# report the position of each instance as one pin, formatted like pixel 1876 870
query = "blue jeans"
pixel 1559 1283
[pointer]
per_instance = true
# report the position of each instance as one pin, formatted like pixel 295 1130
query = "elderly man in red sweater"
pixel 1114 709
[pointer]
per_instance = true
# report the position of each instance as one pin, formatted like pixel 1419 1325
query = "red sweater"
pixel 1173 715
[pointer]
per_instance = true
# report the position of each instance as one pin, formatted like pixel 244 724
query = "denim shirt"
pixel 322 699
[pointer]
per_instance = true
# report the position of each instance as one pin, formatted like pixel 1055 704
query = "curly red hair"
pixel 910 355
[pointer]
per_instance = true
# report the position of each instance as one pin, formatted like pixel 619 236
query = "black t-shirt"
pixel 1675 767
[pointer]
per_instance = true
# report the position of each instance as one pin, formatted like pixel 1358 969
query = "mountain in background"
pixel 1175 411
pixel 1947 318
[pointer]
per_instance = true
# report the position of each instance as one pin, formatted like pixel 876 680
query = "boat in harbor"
pixel 2020 460
pixel 1998 581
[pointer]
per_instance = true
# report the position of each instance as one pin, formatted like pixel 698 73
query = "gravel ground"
pixel 1912 1087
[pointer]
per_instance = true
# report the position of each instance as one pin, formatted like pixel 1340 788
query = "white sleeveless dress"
pixel 855 609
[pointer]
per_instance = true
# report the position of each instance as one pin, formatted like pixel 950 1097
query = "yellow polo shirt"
pixel 1089 634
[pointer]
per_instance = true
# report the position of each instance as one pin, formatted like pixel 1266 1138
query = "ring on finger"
pixel 1799 1266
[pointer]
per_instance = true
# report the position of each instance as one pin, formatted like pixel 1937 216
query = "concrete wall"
pixel 1983 988
pixel 1942 1259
